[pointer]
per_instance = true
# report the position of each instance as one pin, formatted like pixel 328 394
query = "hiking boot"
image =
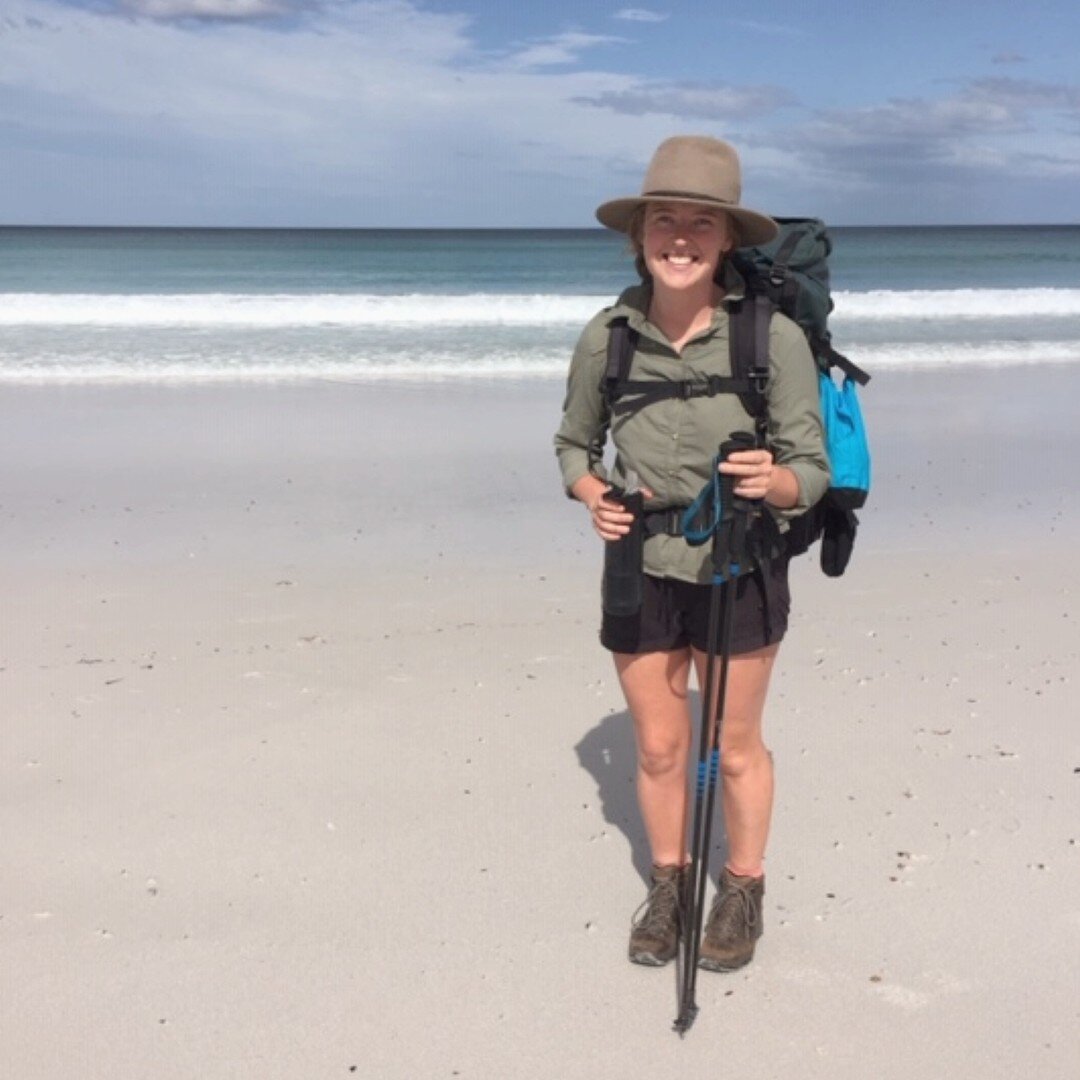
pixel 654 931
pixel 734 925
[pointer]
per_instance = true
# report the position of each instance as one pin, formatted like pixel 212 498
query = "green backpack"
pixel 790 274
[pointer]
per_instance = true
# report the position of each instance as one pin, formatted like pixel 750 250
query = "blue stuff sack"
pixel 845 442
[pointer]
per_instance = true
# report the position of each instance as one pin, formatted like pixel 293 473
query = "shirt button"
pixel 675 435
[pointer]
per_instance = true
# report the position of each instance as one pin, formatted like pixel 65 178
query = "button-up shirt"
pixel 671 444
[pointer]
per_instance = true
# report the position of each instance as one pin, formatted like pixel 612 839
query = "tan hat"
pixel 693 169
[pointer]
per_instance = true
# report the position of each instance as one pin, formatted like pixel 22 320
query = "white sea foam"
pixel 957 304
pixel 43 369
pixel 475 309
pixel 297 310
pixel 59 371
pixel 964 354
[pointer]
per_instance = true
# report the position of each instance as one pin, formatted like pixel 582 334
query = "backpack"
pixel 790 274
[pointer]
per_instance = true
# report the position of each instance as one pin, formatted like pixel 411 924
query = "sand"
pixel 312 765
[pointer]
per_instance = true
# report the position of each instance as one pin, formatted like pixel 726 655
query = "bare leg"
pixel 655 686
pixel 745 762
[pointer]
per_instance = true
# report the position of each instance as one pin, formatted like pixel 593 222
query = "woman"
pixel 682 227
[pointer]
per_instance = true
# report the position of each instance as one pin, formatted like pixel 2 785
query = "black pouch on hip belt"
pixel 623 587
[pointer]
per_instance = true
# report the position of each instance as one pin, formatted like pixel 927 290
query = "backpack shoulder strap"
pixel 749 337
pixel 785 287
pixel 622 341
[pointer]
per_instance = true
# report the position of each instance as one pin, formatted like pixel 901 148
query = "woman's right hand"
pixel 610 519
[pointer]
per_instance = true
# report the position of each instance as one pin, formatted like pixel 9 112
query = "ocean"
pixel 205 305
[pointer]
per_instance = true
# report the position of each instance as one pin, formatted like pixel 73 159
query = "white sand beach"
pixel 313 766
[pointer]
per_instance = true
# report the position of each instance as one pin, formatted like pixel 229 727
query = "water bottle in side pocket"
pixel 623 586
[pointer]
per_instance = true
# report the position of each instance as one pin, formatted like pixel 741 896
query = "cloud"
pixel 366 112
pixel 700 101
pixel 1022 95
pixel 934 128
pixel 387 112
pixel 350 64
pixel 991 128
pixel 207 9
pixel 908 124
pixel 643 15
pixel 556 51
pixel 1052 166
pixel 1008 58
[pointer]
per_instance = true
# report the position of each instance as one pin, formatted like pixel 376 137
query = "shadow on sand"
pixel 609 754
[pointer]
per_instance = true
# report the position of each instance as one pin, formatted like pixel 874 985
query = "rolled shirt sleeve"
pixel 584 418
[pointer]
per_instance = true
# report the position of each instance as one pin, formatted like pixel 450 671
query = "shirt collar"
pixel 633 303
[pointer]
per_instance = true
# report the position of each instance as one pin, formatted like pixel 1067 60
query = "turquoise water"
pixel 1009 257
pixel 204 304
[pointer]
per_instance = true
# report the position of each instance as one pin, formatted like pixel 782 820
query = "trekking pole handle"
pixel 740 440
pixel 729 538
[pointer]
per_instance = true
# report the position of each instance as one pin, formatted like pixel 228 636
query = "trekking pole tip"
pixel 685 1020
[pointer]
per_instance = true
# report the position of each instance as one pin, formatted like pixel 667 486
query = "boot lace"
pixel 734 914
pixel 661 909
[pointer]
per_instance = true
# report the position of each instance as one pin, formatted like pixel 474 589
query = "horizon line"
pixel 515 228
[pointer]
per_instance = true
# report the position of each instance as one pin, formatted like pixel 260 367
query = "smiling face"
pixel 683 244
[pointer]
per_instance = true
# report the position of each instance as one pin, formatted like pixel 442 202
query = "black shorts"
pixel 676 614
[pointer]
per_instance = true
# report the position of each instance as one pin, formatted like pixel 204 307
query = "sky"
pixel 477 113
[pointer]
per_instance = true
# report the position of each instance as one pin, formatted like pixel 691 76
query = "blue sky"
pixel 441 113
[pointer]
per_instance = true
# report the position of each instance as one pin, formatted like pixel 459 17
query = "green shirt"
pixel 671 443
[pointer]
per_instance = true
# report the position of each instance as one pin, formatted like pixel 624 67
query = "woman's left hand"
pixel 752 470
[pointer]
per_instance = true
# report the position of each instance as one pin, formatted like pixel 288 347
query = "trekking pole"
pixel 729 543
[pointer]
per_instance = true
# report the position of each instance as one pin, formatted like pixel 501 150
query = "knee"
pixel 658 761
pixel 742 758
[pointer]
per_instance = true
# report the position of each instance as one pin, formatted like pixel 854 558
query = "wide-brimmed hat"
pixel 693 169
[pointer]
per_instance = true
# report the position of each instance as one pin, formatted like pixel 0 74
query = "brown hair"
pixel 635 231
